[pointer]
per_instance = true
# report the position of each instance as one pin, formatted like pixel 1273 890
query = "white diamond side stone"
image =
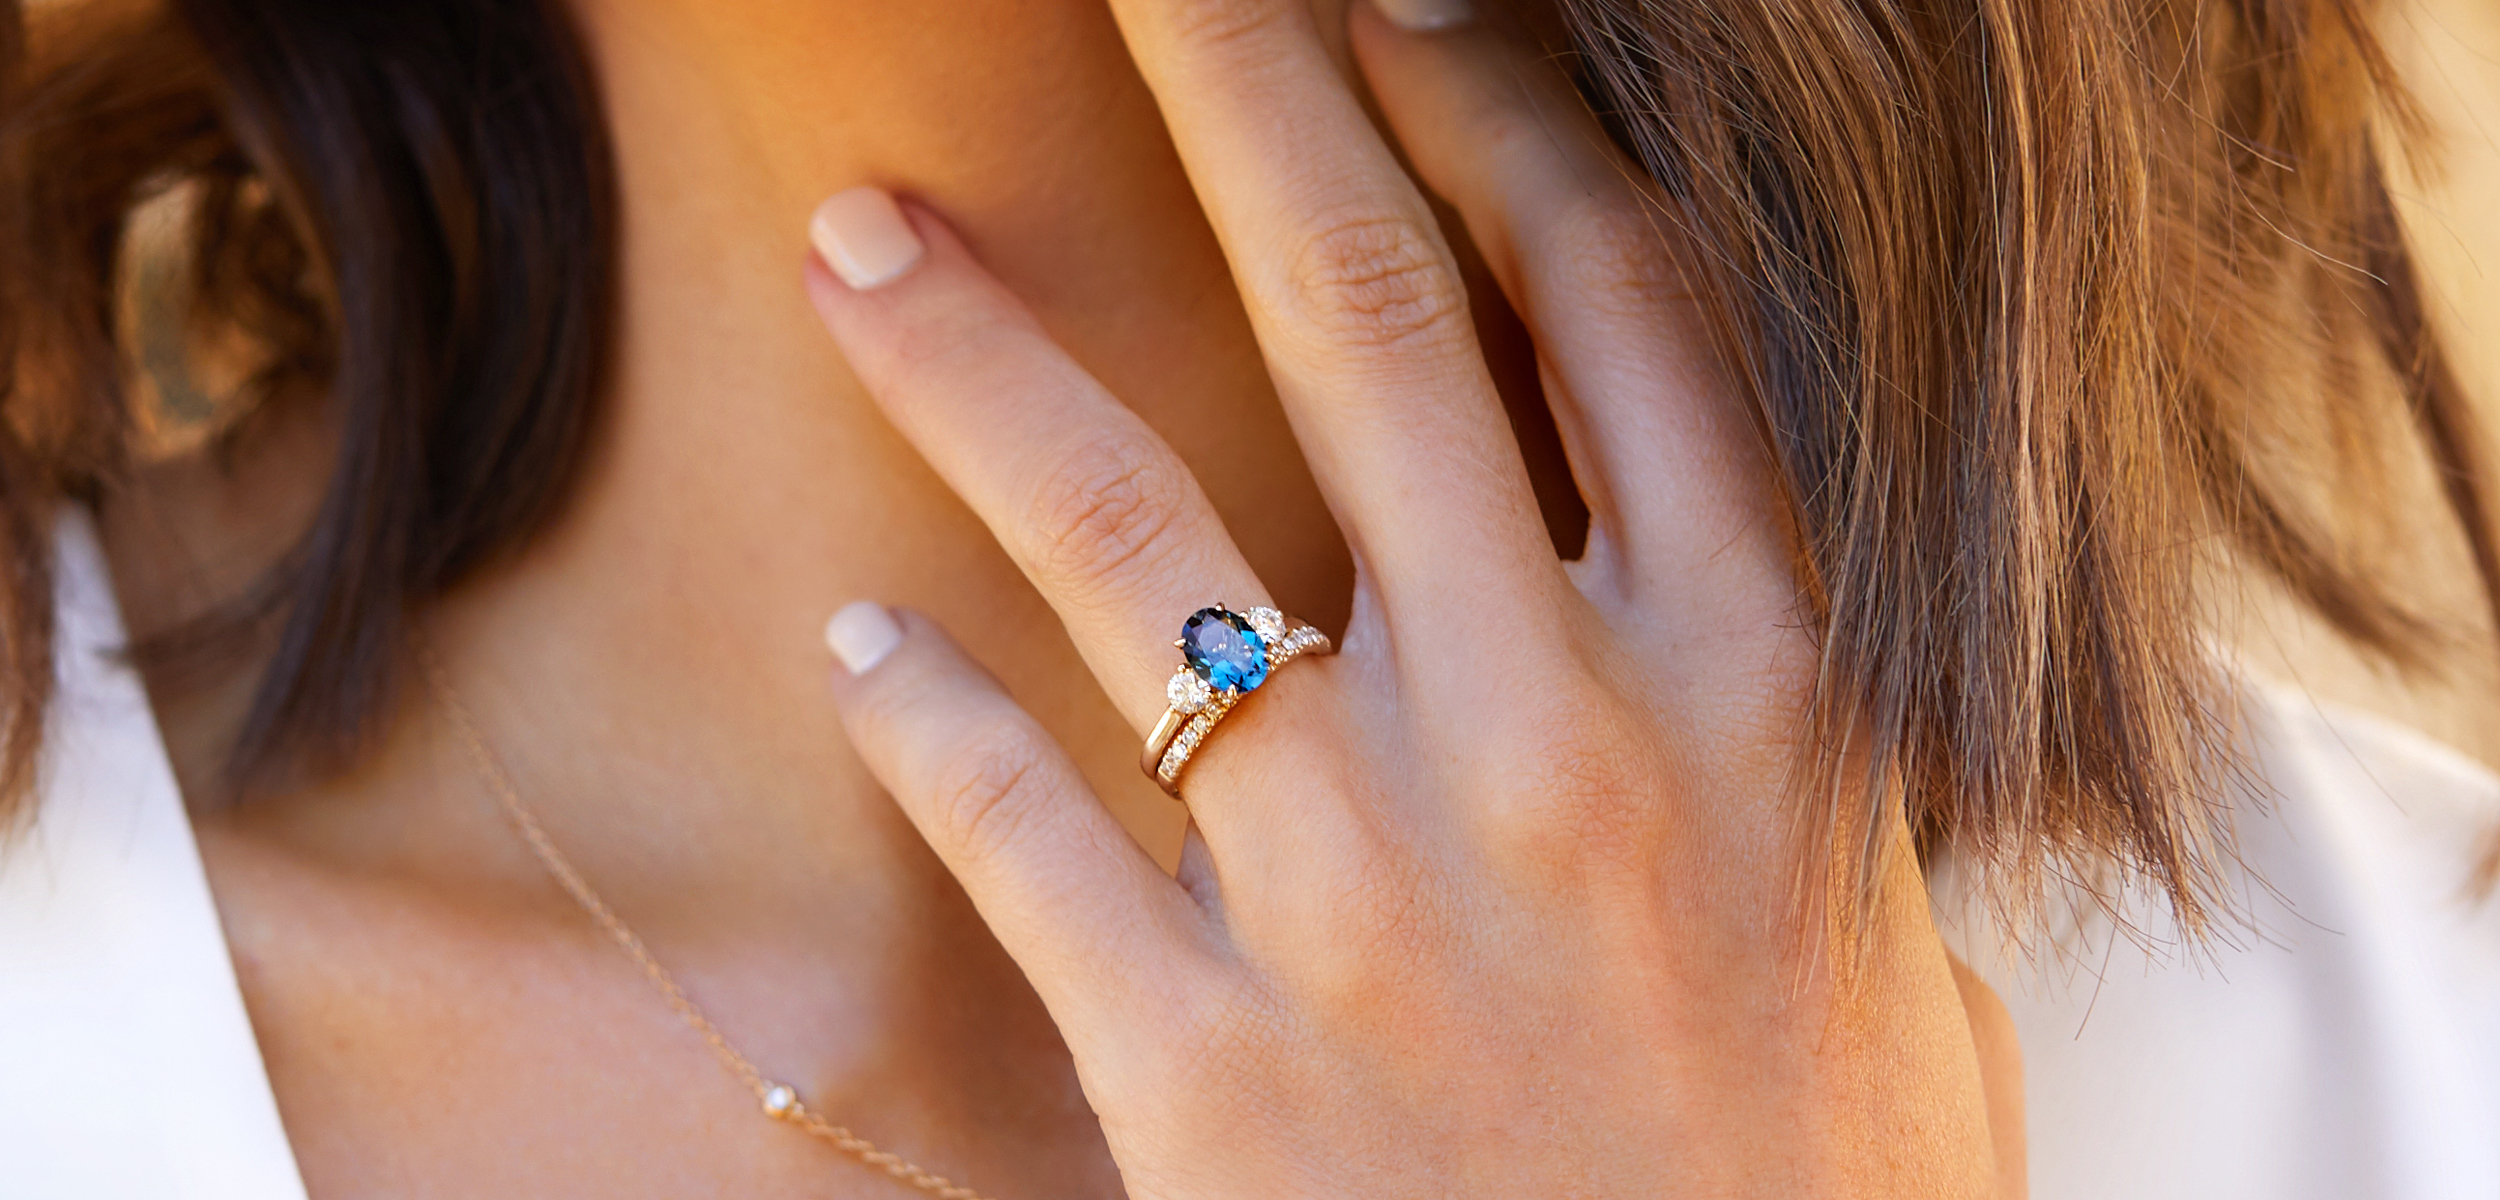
pixel 1187 692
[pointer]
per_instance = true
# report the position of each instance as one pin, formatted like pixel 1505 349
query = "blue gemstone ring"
pixel 1225 656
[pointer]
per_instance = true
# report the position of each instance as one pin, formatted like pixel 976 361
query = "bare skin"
pixel 437 1019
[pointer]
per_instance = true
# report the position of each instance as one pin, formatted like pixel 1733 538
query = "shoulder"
pixel 117 996
pixel 2384 787
pixel 2340 1038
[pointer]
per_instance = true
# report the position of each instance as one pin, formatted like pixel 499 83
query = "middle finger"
pixel 1357 306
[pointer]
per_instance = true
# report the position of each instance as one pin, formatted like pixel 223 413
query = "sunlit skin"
pixel 437 1018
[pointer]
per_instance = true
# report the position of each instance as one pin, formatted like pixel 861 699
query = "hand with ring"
pixel 1514 894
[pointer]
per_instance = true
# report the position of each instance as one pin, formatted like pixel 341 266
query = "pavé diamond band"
pixel 1226 656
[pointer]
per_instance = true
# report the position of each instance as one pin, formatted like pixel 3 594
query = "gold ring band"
pixel 1227 656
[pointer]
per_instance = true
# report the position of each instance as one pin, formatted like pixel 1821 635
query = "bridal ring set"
pixel 1226 656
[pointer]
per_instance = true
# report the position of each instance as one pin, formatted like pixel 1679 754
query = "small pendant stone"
pixel 1224 650
pixel 779 1100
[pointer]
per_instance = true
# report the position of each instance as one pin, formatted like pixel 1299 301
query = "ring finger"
pixel 1103 517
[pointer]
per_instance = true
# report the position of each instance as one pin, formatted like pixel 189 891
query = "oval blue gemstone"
pixel 1222 648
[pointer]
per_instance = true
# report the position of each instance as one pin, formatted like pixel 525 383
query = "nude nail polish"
pixel 862 235
pixel 1424 16
pixel 862 634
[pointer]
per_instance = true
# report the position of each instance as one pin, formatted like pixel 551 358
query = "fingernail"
pixel 862 634
pixel 1424 16
pixel 864 238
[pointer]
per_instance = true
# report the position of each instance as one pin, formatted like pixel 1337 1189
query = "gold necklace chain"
pixel 780 1101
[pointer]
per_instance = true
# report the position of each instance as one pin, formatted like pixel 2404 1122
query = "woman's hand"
pixel 1505 898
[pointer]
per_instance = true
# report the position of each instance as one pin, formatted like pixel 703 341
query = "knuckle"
pixel 1217 25
pixel 1106 511
pixel 1577 790
pixel 1237 1049
pixel 1383 928
pixel 1618 256
pixel 1378 282
pixel 985 793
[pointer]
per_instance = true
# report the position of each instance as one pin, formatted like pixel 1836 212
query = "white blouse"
pixel 127 1065
pixel 2346 1044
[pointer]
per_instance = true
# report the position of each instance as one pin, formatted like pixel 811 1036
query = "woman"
pixel 477 594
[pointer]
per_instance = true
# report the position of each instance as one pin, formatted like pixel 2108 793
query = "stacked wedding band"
pixel 1226 656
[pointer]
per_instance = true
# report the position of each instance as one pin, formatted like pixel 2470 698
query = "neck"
pixel 650 666
pixel 744 487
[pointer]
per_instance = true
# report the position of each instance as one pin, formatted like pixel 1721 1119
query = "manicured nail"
pixel 862 634
pixel 864 238
pixel 1423 16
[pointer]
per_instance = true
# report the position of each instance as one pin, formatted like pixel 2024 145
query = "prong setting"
pixel 1228 654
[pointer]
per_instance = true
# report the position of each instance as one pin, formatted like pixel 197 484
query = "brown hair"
pixel 2020 287
pixel 401 210
pixel 2031 294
